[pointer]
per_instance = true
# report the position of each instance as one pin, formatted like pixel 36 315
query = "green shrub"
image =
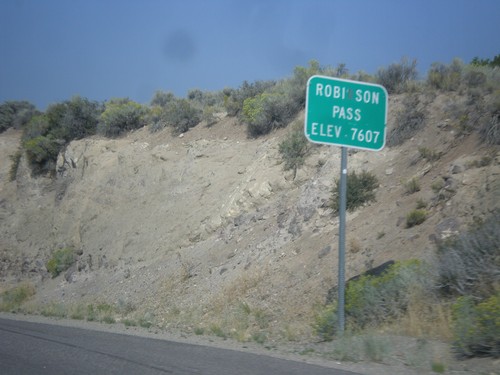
pixel 45 135
pixel 181 115
pixel 144 323
pixel 428 154
pixel 92 315
pixel 61 260
pixel 130 323
pixel 77 312
pixel 408 121
pixel 12 299
pixel 104 308
pixel 469 263
pixel 295 87
pixel 38 126
pixel 374 348
pixel 489 132
pixel 234 99
pixel 102 312
pixel 109 319
pixel 476 326
pixel 293 149
pixel 373 300
pixel 209 116
pixel 42 153
pixel 489 126
pixel 483 162
pixel 396 77
pixel 146 320
pixel 16 114
pixel 217 331
pixel 121 115
pixel 495 62
pixel 161 99
pixel 412 186
pixel 156 119
pixel 124 307
pixel 415 217
pixel 68 120
pixel 259 337
pixel 276 106
pixel 80 118
pixel 54 309
pixel 437 185
pixel 445 77
pixel 325 322
pixel 267 111
pixel 363 77
pixel 73 119
pixel 360 190
pixel 478 112
pixel 475 78
pixel 438 367
pixel 16 160
pixel 420 204
pixel 201 99
pixel 267 105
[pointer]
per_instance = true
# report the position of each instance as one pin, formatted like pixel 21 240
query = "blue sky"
pixel 51 50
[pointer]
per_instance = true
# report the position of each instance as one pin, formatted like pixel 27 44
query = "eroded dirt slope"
pixel 190 229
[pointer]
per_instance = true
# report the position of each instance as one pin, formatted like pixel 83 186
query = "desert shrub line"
pixel 181 115
pixel 46 134
pixel 16 114
pixel 396 77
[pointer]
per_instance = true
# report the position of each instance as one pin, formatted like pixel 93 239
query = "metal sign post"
pixel 348 114
pixel 342 215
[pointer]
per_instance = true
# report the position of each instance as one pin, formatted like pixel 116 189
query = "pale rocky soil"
pixel 206 230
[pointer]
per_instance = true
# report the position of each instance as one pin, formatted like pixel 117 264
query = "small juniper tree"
pixel 294 149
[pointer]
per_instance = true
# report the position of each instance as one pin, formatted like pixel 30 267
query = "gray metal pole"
pixel 342 215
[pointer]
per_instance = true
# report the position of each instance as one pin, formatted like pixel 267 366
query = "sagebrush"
pixel 360 190
pixel 374 300
pixel 60 261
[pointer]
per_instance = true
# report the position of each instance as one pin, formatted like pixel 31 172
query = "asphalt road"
pixel 34 348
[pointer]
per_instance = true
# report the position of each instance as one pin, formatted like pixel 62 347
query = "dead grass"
pixel 12 299
pixel 234 313
pixel 354 245
pixel 425 318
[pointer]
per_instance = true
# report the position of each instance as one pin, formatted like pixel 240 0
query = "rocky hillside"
pixel 196 231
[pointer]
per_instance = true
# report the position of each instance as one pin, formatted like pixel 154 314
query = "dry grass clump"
pixel 425 317
pixel 12 299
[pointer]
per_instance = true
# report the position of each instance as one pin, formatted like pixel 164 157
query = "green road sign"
pixel 346 113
